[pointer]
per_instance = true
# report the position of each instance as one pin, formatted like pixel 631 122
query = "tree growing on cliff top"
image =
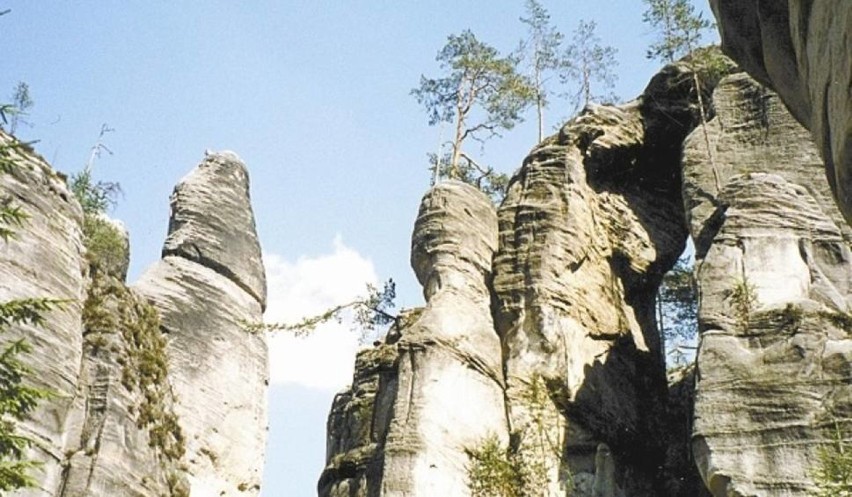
pixel 679 32
pixel 481 94
pixel 589 65
pixel 542 50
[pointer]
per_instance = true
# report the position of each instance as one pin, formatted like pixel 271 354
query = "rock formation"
pixel 422 400
pixel 51 240
pixel 208 284
pixel 801 49
pixel 157 400
pixel 774 271
pixel 590 223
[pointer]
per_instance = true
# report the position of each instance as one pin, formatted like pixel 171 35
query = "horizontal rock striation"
pixel 589 226
pixel 45 259
pixel 801 49
pixel 774 273
pixel 207 286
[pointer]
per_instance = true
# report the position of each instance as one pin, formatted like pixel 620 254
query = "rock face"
pixel 774 273
pixel 50 240
pixel 401 430
pixel 145 407
pixel 576 401
pixel 589 226
pixel 209 282
pixel 801 49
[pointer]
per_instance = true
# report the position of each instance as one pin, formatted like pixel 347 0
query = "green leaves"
pixel 679 28
pixel 589 64
pixel 371 311
pixel 833 474
pixel 481 93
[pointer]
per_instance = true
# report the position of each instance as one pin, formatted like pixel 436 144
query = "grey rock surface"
pixel 208 284
pixel 212 223
pixel 589 226
pixel 46 260
pixel 801 49
pixel 402 429
pixel 144 407
pixel 774 273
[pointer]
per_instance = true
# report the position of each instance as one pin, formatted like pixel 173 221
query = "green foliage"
pixel 106 248
pixel 94 197
pixel 481 93
pixel 22 102
pixel 17 400
pixel 833 474
pixel 494 470
pixel 677 310
pixel 486 179
pixel 679 28
pixel 12 217
pixel 371 311
pixel 543 51
pixel 588 64
pixel 744 301
pixel 519 469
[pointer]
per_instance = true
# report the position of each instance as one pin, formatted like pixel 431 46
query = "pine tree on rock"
pixel 481 94
pixel 543 52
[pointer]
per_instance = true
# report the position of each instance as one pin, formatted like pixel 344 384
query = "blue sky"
pixel 314 96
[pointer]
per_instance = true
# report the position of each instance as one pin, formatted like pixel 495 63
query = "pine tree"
pixel 481 94
pixel 543 52
pixel 589 65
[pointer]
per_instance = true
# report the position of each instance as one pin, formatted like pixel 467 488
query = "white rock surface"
pixel 769 381
pixel 435 388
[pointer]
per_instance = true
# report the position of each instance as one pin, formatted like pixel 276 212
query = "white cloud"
pixel 324 359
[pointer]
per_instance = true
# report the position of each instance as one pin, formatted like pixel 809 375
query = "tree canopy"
pixel 481 93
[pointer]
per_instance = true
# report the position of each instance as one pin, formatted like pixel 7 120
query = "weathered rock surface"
pixel 45 260
pixel 773 370
pixel 403 428
pixel 589 226
pixel 209 282
pixel 116 426
pixel 123 437
pixel 801 49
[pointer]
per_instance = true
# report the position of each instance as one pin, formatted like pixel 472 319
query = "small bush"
pixel 744 300
pixel 833 474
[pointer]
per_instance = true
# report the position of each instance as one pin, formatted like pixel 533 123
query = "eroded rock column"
pixel 434 389
pixel 589 226
pixel 208 284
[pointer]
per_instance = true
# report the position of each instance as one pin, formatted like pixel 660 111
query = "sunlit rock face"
pixel 590 223
pixel 801 49
pixel 774 273
pixel 434 389
pixel 207 286
pixel 45 259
